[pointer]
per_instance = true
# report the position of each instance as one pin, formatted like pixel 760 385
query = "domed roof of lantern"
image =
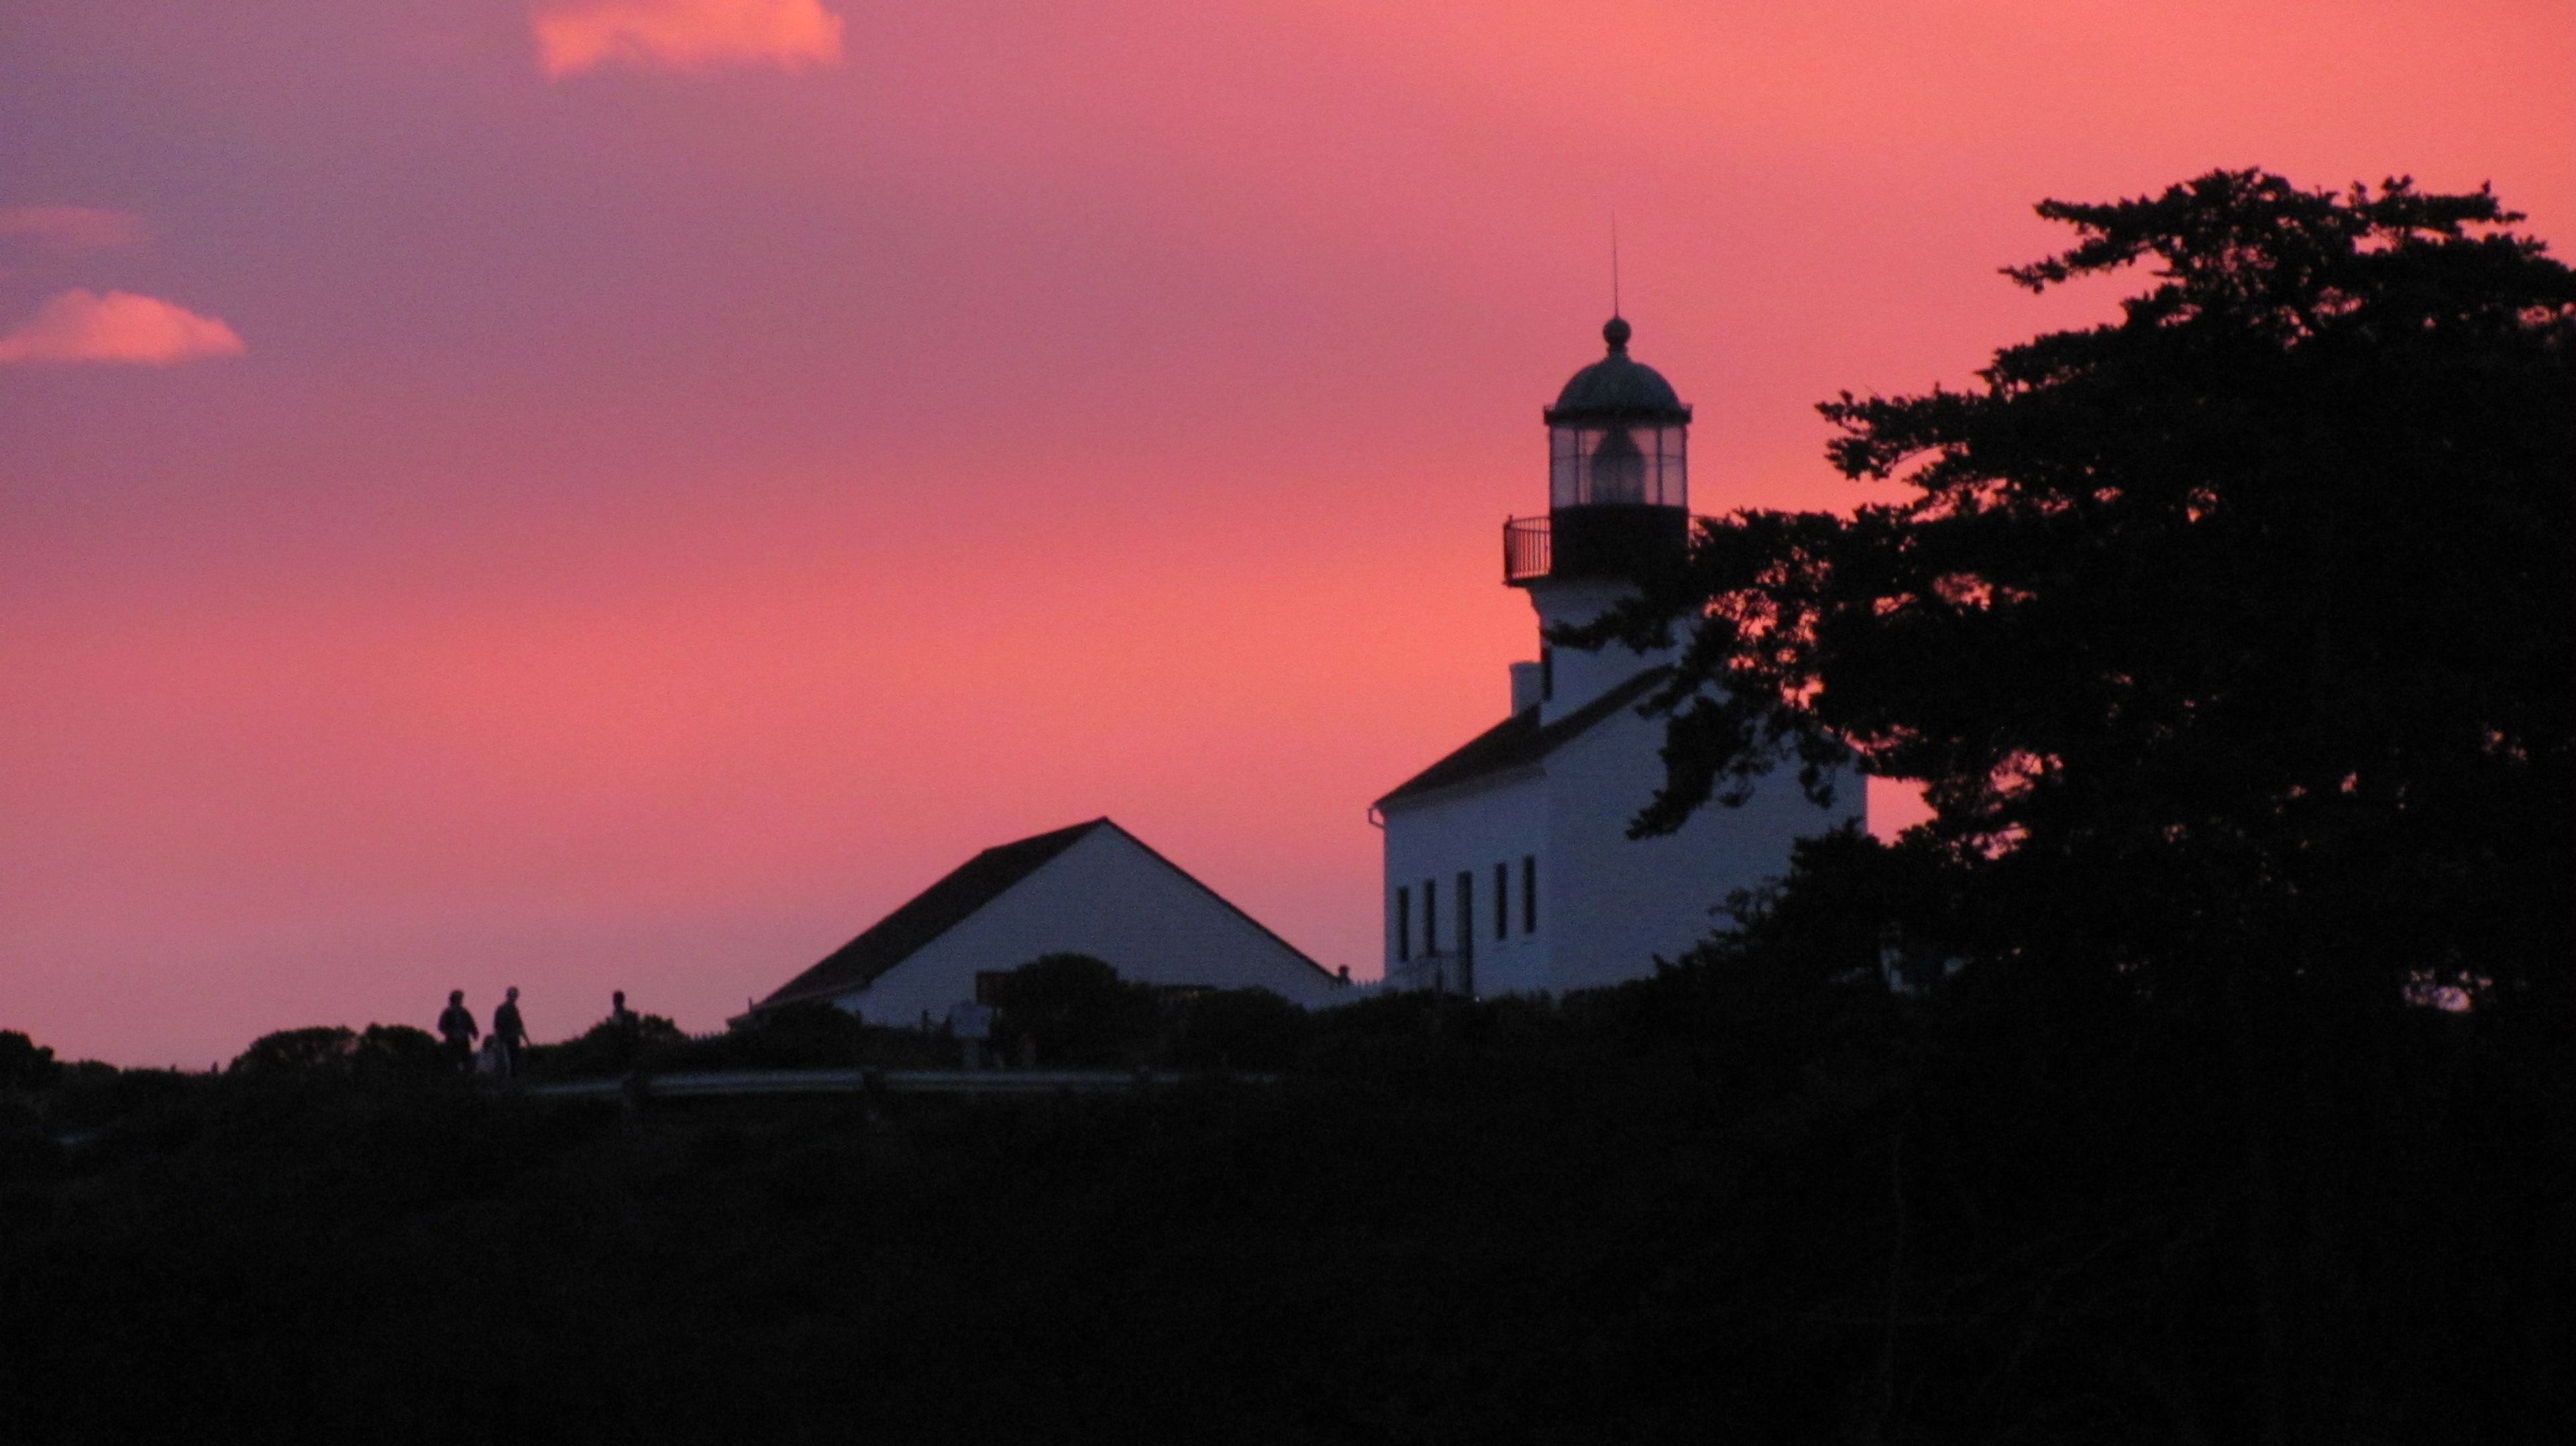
pixel 1617 388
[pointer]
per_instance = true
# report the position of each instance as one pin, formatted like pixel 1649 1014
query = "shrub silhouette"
pixel 297 1053
pixel 392 1053
pixel 609 1047
pixel 87 1093
pixel 1077 1012
pixel 1236 1029
pixel 808 1035
pixel 25 1064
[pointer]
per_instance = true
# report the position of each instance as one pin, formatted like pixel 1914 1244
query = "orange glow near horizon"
pixel 664 518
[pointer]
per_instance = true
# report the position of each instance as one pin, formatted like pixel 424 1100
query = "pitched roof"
pixel 1520 740
pixel 954 899
pixel 932 912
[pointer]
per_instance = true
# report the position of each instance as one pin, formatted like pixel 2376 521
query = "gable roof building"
pixel 1093 888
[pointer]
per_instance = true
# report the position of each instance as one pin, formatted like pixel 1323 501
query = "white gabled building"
pixel 1508 865
pixel 1090 889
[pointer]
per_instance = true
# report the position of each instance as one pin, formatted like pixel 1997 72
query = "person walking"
pixel 456 1026
pixel 509 1032
pixel 625 1030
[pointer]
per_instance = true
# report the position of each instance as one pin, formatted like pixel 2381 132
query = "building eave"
pixel 1517 744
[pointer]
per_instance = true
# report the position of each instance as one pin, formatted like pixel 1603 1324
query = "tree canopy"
pixel 2229 638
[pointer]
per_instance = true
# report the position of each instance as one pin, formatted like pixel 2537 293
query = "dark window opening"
pixel 1529 893
pixel 1467 932
pixel 1430 916
pixel 1502 901
pixel 1546 673
pixel 1403 923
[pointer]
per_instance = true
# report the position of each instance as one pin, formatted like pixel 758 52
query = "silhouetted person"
pixel 625 1030
pixel 509 1032
pixel 456 1026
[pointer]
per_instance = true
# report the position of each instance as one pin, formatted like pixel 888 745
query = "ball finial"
pixel 1615 332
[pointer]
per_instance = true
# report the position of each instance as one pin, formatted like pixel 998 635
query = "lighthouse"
pixel 1508 863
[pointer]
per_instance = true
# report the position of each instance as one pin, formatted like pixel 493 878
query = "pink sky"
pixel 686 473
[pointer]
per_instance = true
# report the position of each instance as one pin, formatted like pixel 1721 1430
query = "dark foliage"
pixel 799 1036
pixel 88 1094
pixel 1757 1195
pixel 389 1053
pixel 1076 1013
pixel 25 1064
pixel 611 1047
pixel 1233 1029
pixel 2232 642
pixel 393 1053
pixel 2231 638
pixel 297 1053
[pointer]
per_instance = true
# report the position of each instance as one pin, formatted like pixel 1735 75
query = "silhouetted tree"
pixel 2231 637
pixel 2232 642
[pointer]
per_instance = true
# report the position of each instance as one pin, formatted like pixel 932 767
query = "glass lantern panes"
pixel 1640 465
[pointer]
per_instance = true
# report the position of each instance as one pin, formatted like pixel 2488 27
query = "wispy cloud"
pixel 685 34
pixel 71 228
pixel 84 326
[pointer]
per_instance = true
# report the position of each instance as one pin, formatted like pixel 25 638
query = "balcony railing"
pixel 1601 541
pixel 1526 550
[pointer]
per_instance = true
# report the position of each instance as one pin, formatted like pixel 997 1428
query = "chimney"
pixel 1526 692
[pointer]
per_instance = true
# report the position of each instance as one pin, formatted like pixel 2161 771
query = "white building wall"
pixel 1111 898
pixel 1579 675
pixel 1491 821
pixel 1619 903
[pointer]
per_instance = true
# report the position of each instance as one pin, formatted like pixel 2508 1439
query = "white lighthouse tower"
pixel 1508 865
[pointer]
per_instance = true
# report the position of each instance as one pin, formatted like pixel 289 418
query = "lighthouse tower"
pixel 1508 865
pixel 1618 510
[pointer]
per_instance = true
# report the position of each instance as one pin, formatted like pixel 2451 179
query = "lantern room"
pixel 1617 435
pixel 1618 476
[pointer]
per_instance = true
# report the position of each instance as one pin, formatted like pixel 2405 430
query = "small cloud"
pixel 71 228
pixel 83 326
pixel 685 34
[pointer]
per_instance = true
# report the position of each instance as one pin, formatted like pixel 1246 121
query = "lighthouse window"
pixel 1502 901
pixel 1403 923
pixel 1619 464
pixel 1466 928
pixel 1529 893
pixel 1430 916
